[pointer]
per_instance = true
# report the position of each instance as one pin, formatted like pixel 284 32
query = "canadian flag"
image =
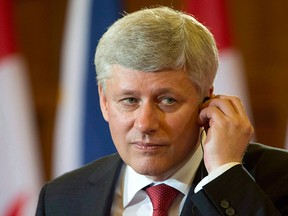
pixel 230 78
pixel 19 157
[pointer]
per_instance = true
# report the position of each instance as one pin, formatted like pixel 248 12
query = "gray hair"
pixel 157 39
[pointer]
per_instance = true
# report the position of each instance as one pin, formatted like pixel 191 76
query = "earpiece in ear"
pixel 206 98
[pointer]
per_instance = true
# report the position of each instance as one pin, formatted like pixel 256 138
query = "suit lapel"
pixel 189 208
pixel 101 187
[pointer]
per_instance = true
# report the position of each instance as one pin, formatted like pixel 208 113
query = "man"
pixel 155 70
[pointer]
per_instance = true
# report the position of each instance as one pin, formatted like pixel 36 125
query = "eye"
pixel 168 104
pixel 168 101
pixel 129 101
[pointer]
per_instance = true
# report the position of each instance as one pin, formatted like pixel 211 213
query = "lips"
pixel 148 146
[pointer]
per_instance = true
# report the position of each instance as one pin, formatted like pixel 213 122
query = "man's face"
pixel 152 119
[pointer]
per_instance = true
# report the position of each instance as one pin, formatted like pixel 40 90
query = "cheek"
pixel 184 130
pixel 184 120
pixel 119 125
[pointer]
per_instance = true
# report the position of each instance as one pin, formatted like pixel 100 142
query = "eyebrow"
pixel 156 91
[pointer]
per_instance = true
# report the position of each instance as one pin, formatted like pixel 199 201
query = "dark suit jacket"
pixel 89 190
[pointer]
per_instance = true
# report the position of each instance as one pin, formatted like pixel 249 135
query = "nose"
pixel 147 118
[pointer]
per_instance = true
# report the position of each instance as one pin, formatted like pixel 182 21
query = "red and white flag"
pixel 230 78
pixel 19 157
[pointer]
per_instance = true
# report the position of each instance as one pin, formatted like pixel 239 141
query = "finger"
pixel 210 115
pixel 236 103
pixel 223 104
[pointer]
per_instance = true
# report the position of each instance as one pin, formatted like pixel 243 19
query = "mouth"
pixel 148 146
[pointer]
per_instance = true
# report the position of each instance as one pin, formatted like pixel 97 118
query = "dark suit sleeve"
pixel 234 193
pixel 40 211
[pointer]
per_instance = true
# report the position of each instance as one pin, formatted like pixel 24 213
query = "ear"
pixel 211 90
pixel 103 102
pixel 208 94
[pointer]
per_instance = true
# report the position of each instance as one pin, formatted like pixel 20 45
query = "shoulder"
pixel 257 152
pixel 101 168
pixel 89 187
pixel 258 147
pixel 264 162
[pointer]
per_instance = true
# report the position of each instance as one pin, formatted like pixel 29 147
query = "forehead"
pixel 167 80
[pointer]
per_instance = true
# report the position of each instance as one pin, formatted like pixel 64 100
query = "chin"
pixel 157 173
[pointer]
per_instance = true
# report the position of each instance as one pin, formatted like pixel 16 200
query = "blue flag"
pixel 81 133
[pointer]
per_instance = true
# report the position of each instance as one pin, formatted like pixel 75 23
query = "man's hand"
pixel 228 130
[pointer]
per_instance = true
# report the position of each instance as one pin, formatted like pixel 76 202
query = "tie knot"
pixel 161 197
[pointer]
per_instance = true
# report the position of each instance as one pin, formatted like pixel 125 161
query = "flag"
pixel 230 78
pixel 19 157
pixel 81 133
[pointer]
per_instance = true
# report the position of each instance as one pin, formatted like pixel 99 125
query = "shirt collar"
pixel 181 180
